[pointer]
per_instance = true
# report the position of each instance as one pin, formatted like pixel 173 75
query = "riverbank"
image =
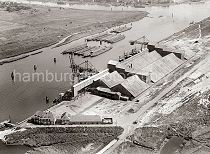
pixel 184 110
pixel 38 27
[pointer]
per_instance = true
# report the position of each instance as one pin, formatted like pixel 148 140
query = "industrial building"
pixel 132 76
pixel 165 50
pixel 131 87
pixel 149 67
pixel 81 119
pixel 110 80
pixel 163 66
pixel 43 118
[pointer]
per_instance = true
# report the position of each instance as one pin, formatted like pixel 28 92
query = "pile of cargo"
pixel 115 39
pixel 86 51
pixel 75 49
pixel 97 51
pixel 107 37
pixel 99 37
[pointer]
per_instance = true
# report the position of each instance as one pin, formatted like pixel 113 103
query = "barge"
pixel 102 50
pixel 75 49
pixel 121 29
pixel 116 39
pixel 98 37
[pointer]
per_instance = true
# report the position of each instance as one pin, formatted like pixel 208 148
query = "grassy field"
pixel 69 139
pixel 36 27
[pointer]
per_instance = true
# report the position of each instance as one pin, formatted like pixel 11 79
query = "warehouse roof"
pixel 134 85
pixel 85 118
pixel 142 60
pixel 172 61
pixel 113 62
pixel 112 79
pixel 163 66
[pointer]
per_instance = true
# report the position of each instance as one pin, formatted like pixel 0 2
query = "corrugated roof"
pixel 186 53
pixel 113 62
pixel 121 65
pixel 134 85
pixel 112 79
pixel 143 72
pixel 152 56
pixel 172 61
pixel 85 118
pixel 142 60
pixel 163 66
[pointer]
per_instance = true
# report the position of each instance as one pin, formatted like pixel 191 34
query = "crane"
pixel 143 41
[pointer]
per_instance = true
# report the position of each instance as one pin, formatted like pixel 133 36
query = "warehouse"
pixel 164 51
pixel 131 87
pixel 163 66
pixel 110 80
pixel 43 118
pixel 79 119
pixel 140 61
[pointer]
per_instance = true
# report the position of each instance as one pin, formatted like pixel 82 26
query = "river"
pixel 22 99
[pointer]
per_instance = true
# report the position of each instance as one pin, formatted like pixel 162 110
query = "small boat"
pixel 3 123
pixel 120 59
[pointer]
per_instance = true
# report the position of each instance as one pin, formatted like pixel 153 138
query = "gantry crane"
pixel 143 41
